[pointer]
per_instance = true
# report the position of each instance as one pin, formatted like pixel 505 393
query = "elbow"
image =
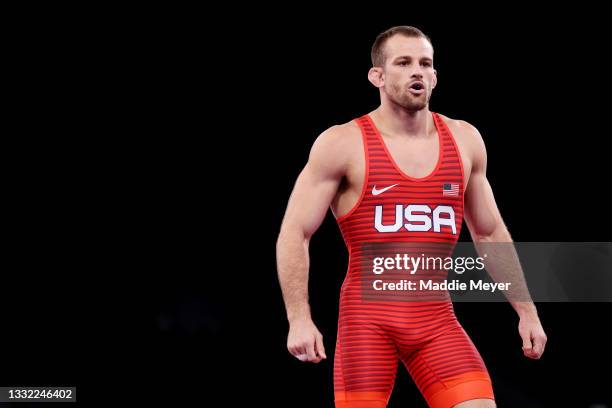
pixel 497 233
pixel 291 233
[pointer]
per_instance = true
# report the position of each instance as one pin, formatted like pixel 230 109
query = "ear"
pixel 434 82
pixel 376 77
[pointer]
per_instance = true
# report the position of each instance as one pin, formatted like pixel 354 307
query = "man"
pixel 398 174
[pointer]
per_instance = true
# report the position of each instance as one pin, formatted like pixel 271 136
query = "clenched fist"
pixel 305 342
pixel 533 336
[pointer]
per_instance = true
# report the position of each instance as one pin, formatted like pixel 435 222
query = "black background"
pixel 200 131
pixel 536 89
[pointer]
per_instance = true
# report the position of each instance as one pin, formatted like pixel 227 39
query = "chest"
pixel 417 157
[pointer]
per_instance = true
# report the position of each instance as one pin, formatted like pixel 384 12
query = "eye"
pixel 426 63
pixel 403 63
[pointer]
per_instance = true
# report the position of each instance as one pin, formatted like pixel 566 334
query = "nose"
pixel 417 72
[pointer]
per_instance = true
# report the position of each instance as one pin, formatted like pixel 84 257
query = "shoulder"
pixel 337 141
pixel 338 137
pixel 468 136
pixel 335 146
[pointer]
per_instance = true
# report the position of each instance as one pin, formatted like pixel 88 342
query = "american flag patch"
pixel 450 189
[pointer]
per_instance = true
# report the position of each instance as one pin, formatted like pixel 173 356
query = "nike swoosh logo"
pixel 382 190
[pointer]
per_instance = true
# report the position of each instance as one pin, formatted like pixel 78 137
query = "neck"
pixel 396 120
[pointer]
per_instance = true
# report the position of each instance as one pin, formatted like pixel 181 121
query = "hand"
pixel 532 333
pixel 305 342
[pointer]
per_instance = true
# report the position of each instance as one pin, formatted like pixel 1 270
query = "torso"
pixel 415 157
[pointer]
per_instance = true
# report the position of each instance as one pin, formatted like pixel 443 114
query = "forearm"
pixel 503 264
pixel 292 266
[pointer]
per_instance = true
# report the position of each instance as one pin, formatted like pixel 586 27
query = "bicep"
pixel 309 200
pixel 481 213
pixel 316 186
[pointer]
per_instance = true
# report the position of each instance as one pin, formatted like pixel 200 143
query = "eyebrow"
pixel 409 57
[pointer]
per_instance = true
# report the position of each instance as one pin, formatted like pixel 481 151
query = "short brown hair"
pixel 378 48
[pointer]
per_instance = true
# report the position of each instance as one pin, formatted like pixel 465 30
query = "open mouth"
pixel 417 88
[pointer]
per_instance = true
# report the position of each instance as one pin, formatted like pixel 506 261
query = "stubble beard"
pixel 408 101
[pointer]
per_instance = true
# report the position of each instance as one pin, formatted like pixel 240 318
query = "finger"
pixel 297 351
pixel 530 352
pixel 538 345
pixel 535 352
pixel 302 357
pixel 312 356
pixel 291 348
pixel 303 348
pixel 527 345
pixel 320 348
pixel 532 355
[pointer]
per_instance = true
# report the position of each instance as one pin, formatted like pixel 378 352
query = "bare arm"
pixel 487 229
pixel 312 194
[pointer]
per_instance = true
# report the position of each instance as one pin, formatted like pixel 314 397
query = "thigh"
pixel 365 365
pixel 448 369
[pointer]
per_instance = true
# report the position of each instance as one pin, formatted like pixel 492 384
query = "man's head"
pixel 402 67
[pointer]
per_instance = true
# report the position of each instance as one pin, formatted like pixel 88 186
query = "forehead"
pixel 415 47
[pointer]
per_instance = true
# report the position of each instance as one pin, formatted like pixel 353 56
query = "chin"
pixel 415 106
pixel 411 102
